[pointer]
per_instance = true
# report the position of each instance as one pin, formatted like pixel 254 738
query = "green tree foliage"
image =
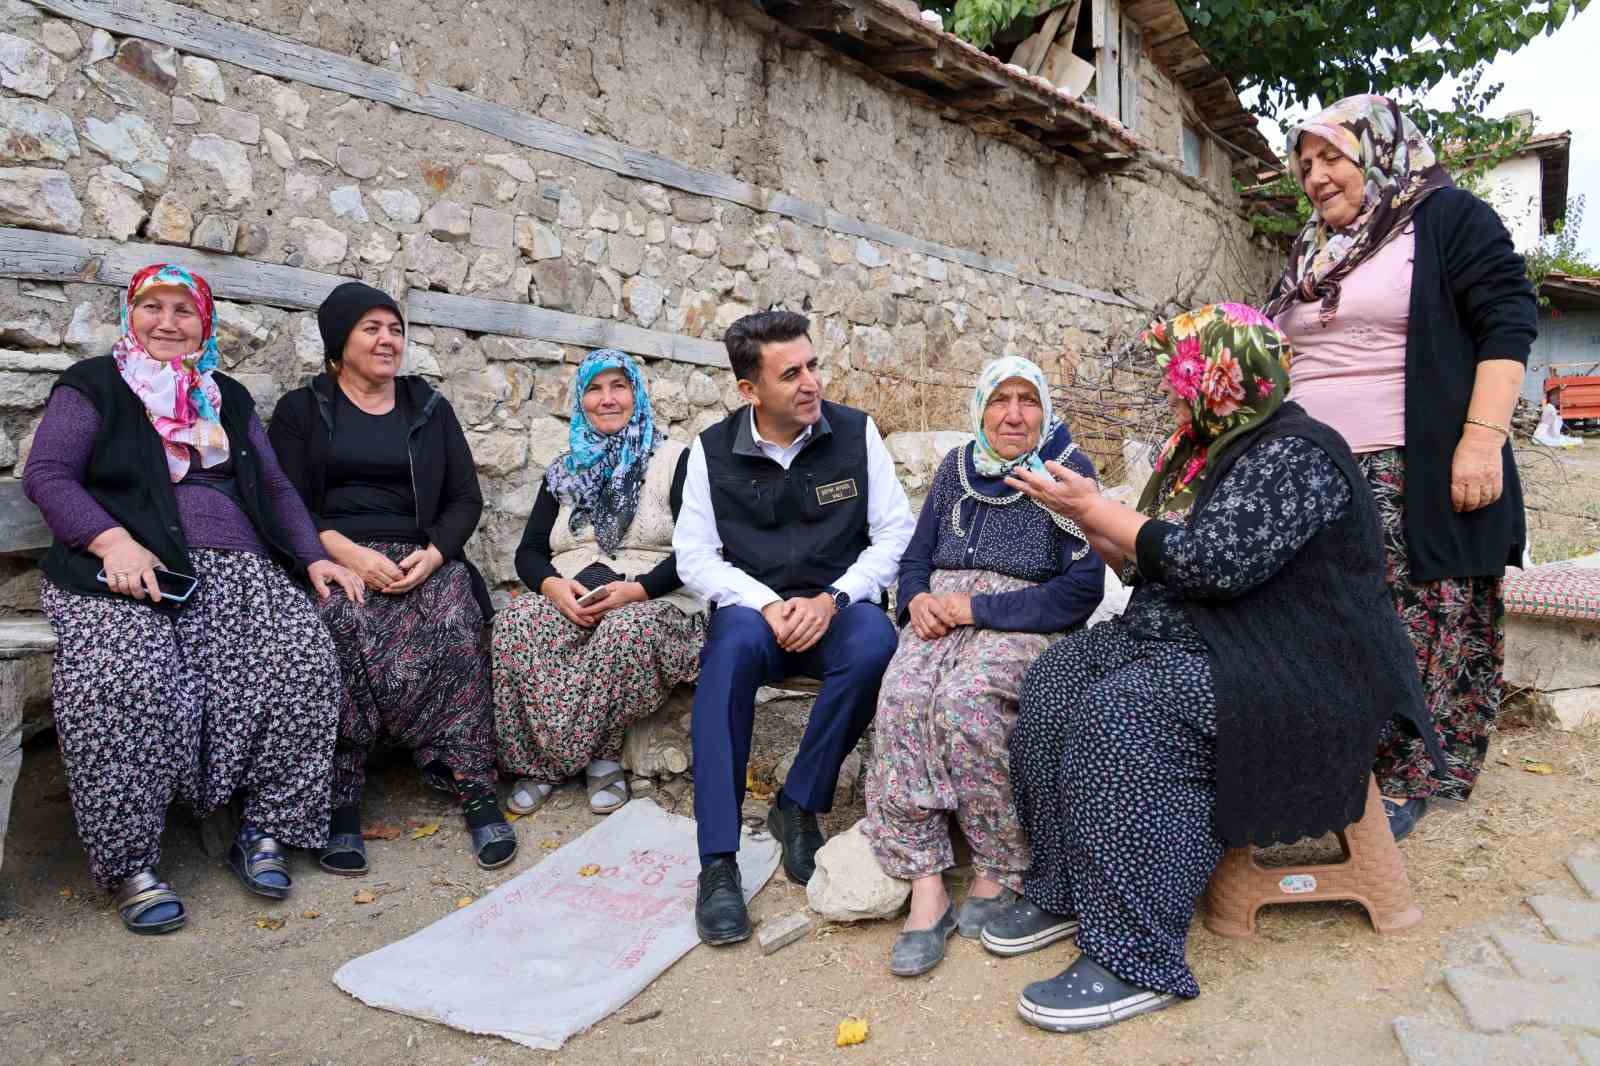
pixel 1296 51
pixel 977 21
pixel 1558 252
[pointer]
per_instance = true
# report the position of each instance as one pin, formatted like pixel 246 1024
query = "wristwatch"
pixel 841 600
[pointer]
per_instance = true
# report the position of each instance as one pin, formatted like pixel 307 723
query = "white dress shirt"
pixel 698 546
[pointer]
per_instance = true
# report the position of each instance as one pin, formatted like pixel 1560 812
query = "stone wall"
pixel 125 139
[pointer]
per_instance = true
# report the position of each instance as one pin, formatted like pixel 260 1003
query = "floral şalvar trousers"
pixel 1457 626
pixel 945 714
pixel 564 695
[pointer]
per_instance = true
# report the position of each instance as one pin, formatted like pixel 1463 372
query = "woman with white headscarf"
pixel 988 581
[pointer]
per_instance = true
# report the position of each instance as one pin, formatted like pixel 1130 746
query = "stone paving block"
pixel 1585 869
pixel 1589 1050
pixel 1494 1004
pixel 1574 920
pixel 1428 1043
pixel 1541 960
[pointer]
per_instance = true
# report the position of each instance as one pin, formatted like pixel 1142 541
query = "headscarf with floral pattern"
pixel 181 397
pixel 1230 364
pixel 1401 172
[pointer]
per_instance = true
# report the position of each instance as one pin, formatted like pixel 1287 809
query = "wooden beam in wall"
pixel 57 257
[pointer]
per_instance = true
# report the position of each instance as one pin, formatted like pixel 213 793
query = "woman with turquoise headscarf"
pixel 987 582
pixel 608 629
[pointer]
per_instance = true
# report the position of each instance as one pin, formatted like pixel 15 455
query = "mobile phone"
pixel 593 596
pixel 174 586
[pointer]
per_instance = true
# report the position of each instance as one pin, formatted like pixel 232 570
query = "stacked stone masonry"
pixel 125 139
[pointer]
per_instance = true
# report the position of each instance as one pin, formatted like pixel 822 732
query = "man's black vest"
pixel 797 530
pixel 127 475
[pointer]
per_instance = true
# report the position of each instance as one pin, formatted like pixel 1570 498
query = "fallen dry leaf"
pixel 364 896
pixel 549 845
pixel 464 901
pixel 589 870
pixel 66 893
pixel 1538 768
pixel 381 832
pixel 265 922
pixel 424 830
pixel 311 914
pixel 851 1031
pixel 758 787
pixel 513 816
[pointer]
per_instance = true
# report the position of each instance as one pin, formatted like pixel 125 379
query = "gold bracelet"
pixel 1503 430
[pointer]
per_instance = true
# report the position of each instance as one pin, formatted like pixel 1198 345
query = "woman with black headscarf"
pixel 388 477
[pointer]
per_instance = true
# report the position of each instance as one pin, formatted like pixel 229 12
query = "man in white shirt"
pixel 792 525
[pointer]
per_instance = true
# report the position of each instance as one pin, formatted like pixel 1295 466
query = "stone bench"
pixel 1553 639
pixel 22 533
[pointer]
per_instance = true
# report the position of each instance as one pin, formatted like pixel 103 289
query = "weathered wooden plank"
pixel 22 528
pixel 197 33
pixel 56 257
pixel 524 320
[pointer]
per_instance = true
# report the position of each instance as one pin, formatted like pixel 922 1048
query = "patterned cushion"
pixel 1568 589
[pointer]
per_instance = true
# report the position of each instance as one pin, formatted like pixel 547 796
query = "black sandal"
pixel 265 855
pixel 494 842
pixel 344 844
pixel 140 893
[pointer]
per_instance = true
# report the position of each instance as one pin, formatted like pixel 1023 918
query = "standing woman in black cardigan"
pixel 386 472
pixel 1411 319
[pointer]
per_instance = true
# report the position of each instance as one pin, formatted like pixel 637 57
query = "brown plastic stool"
pixel 1373 875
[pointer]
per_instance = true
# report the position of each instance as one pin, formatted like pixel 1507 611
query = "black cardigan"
pixel 445 480
pixel 1307 667
pixel 127 475
pixel 1470 301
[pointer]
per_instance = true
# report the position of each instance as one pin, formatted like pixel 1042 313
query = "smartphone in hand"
pixel 594 595
pixel 174 586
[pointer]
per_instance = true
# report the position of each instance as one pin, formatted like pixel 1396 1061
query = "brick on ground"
pixel 1573 920
pixel 1585 869
pixel 1540 960
pixel 1428 1043
pixel 1494 1004
pixel 781 932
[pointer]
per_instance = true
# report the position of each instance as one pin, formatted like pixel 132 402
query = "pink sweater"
pixel 1351 373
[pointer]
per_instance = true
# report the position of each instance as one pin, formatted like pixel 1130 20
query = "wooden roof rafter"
pixel 964 83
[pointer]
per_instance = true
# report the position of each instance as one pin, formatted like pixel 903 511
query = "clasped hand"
pixel 800 621
pixel 933 616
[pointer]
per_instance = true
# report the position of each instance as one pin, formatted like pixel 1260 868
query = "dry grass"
pixel 1562 490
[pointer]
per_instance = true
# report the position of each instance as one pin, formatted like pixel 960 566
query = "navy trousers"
pixel 741 655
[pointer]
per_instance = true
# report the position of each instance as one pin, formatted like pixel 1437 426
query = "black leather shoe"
pixel 720 916
pixel 798 834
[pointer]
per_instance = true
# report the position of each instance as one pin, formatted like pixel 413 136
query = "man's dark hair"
pixel 746 336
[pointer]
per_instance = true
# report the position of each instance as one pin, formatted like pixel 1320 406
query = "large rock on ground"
pixel 659 743
pixel 849 885
pixel 1551 653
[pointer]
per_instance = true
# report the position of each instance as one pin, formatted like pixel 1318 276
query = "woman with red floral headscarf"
pixel 1239 697
pixel 149 464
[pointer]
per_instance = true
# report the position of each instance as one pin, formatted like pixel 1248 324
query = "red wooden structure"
pixel 1576 396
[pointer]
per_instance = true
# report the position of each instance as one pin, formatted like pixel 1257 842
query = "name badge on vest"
pixel 836 491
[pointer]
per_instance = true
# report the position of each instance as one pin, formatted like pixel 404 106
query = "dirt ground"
pixel 1316 987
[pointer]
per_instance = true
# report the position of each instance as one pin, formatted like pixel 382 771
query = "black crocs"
pixel 1086 996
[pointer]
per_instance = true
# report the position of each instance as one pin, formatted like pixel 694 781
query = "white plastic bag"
pixel 1552 431
pixel 552 951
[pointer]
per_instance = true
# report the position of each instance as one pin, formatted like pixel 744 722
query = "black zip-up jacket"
pixel 444 479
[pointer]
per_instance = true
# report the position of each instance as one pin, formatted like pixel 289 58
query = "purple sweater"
pixel 54 476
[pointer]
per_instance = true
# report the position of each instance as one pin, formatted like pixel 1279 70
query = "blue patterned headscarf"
pixel 602 474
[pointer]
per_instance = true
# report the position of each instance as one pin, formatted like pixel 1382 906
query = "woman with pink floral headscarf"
pixel 150 464
pixel 1412 320
pixel 1239 697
